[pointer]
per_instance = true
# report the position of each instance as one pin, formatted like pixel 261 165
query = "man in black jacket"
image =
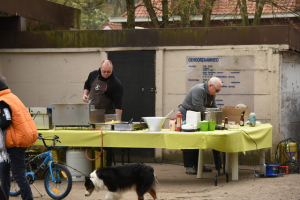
pixel 103 90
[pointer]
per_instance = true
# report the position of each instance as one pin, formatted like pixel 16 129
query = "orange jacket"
pixel 22 132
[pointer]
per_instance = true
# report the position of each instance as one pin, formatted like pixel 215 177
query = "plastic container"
pixel 288 151
pixel 233 126
pixel 231 122
pixel 172 126
pixel 203 125
pixel 252 119
pixel 76 158
pixel 112 118
pixel 211 125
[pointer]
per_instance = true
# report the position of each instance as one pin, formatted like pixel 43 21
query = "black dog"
pixel 119 179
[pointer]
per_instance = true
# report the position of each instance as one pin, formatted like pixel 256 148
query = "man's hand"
pixel 85 98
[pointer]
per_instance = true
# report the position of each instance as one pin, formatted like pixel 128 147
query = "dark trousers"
pixel 190 157
pixel 109 156
pixel 17 166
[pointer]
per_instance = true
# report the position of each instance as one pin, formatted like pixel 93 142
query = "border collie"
pixel 119 179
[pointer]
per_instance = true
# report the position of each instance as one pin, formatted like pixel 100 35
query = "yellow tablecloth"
pixel 234 140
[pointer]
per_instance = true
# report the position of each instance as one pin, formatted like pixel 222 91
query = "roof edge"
pixel 213 17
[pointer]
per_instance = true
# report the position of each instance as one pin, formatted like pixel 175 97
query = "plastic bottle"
pixel 242 120
pixel 226 123
pixel 172 124
pixel 252 119
pixel 178 116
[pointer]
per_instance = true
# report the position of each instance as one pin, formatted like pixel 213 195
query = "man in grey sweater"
pixel 199 97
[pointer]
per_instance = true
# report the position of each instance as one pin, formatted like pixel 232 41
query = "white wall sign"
pixel 236 73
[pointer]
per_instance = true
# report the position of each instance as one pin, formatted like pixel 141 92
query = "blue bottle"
pixel 252 119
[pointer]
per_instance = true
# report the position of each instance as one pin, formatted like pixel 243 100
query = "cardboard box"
pixel 234 114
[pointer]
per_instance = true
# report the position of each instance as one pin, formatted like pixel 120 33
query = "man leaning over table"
pixel 199 97
pixel 104 90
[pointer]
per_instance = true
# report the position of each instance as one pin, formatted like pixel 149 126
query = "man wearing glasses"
pixel 104 91
pixel 199 97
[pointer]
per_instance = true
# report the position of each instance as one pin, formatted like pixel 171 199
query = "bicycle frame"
pixel 48 160
pixel 57 178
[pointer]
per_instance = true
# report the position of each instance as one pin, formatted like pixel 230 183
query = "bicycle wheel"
pixel 63 184
pixel 14 187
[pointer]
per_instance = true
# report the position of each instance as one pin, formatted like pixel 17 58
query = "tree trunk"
pixel 258 11
pixel 244 12
pixel 116 8
pixel 165 12
pixel 184 14
pixel 152 13
pixel 130 14
pixel 123 6
pixel 207 10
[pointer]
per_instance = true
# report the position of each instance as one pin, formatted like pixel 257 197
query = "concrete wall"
pixel 45 76
pixel 290 97
pixel 40 79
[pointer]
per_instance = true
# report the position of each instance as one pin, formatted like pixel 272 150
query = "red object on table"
pixel 178 126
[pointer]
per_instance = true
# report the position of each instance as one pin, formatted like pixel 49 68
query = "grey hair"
pixel 3 84
pixel 107 62
pixel 214 81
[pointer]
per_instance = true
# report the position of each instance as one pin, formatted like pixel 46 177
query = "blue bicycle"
pixel 57 178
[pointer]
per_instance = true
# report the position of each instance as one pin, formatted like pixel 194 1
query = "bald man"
pixel 199 97
pixel 104 90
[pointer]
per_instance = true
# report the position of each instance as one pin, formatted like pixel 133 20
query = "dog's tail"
pixel 154 188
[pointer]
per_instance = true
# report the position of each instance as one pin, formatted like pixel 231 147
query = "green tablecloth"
pixel 234 140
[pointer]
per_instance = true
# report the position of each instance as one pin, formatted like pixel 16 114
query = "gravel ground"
pixel 175 184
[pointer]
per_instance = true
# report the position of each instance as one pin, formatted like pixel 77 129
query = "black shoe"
pixel 205 169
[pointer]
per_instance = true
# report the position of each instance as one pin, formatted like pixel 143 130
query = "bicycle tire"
pixel 62 188
pixel 14 187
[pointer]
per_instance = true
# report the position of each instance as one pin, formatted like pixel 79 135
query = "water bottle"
pixel 252 119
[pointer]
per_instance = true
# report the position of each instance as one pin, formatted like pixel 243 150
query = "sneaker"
pixel 205 169
pixel 190 170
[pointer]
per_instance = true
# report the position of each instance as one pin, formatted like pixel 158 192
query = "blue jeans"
pixel 17 166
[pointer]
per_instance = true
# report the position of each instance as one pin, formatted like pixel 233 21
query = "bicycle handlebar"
pixel 55 139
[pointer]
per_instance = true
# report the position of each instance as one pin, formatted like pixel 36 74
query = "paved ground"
pixel 174 184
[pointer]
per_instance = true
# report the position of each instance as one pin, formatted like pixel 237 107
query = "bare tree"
pixel 151 12
pixel 206 12
pixel 165 16
pixel 185 8
pixel 259 6
pixel 243 10
pixel 184 12
pixel 130 14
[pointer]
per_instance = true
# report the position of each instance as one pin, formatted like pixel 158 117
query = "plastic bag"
pixel 4 157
